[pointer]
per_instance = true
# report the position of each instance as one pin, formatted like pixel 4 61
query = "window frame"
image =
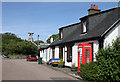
pixel 83 26
pixel 53 52
pixel 61 34
pixel 69 53
pixel 61 52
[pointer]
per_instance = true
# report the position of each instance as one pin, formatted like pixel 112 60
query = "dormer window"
pixel 84 26
pixel 61 35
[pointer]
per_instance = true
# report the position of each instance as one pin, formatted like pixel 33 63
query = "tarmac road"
pixel 20 69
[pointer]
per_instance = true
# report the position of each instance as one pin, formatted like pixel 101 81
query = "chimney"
pixel 51 39
pixel 94 9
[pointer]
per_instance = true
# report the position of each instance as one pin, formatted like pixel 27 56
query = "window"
pixel 84 27
pixel 69 54
pixel 53 52
pixel 61 52
pixel 87 55
pixel 61 35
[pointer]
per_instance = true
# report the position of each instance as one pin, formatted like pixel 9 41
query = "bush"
pixel 107 67
pixel 89 71
pixel 61 62
pixel 73 65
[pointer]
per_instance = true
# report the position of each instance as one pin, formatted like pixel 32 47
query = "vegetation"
pixel 13 45
pixel 55 36
pixel 73 65
pixel 61 62
pixel 107 67
pixel 38 41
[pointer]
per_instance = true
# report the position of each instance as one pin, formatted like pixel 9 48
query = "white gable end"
pixel 112 35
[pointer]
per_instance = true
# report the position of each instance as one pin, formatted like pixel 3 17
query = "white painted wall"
pixel 66 63
pixel 112 35
pixel 95 49
pixel 41 53
pixel 63 53
pixel 119 29
pixel 44 55
pixel 75 55
pixel 56 52
pixel 48 54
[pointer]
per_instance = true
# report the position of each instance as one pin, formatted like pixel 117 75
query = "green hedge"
pixel 107 67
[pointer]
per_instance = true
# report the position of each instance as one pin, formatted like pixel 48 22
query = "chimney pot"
pixel 94 6
pixel 91 6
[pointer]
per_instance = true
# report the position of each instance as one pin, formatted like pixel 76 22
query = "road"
pixel 20 69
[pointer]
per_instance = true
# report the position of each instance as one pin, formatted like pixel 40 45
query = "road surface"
pixel 20 69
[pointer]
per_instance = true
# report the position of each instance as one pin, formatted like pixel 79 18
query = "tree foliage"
pixel 107 67
pixel 13 45
pixel 55 36
pixel 38 41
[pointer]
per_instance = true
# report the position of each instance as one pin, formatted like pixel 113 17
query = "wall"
pixel 44 55
pixel 41 54
pixel 65 53
pixel 112 35
pixel 119 29
pixel 56 52
pixel 48 54
pixel 75 55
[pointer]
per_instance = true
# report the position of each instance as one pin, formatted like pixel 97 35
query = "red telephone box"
pixel 84 54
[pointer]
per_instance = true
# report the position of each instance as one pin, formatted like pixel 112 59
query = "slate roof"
pixel 98 24
pixel 43 46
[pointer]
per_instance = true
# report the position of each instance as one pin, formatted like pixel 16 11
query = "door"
pixel 87 54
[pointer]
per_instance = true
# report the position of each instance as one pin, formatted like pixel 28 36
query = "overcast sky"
pixel 44 18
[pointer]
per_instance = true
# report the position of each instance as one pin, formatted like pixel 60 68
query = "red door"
pixel 84 54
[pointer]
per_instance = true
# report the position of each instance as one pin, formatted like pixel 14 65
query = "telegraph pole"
pixel 38 46
pixel 38 41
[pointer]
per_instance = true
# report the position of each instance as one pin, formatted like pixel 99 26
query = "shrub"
pixel 107 67
pixel 89 71
pixel 73 65
pixel 61 62
pixel 47 63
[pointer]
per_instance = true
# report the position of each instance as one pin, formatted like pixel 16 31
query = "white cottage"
pixel 78 43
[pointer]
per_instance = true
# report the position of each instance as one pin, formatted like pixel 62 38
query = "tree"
pixel 55 36
pixel 38 41
pixel 13 45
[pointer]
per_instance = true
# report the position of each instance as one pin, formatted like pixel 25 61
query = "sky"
pixel 44 18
